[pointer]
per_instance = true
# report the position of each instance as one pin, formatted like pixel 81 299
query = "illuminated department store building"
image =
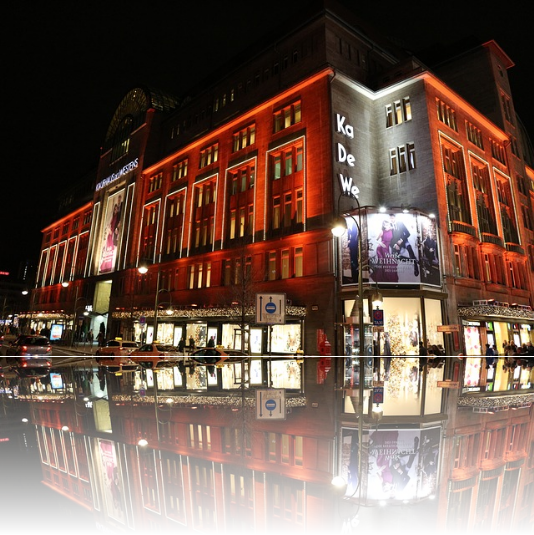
pixel 230 194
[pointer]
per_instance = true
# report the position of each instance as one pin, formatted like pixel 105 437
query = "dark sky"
pixel 67 66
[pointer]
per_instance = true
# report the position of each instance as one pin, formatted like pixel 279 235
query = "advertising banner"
pixel 110 233
pixel 111 479
pixel 403 249
pixel 402 464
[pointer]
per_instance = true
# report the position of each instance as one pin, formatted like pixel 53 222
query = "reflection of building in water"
pixel 286 373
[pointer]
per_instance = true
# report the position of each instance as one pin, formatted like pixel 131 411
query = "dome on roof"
pixel 135 105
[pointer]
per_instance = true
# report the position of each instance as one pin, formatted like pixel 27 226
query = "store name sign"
pixel 344 156
pixel 129 167
pixel 349 525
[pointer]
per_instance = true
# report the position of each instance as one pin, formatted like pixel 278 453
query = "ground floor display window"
pixel 404 327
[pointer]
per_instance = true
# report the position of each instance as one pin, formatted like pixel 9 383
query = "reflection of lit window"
pixel 472 372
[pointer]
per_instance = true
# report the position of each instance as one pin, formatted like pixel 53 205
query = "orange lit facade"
pixel 231 194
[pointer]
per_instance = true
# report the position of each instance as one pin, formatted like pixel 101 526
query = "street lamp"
pixel 339 229
pixel 66 284
pixel 143 270
pixel 33 295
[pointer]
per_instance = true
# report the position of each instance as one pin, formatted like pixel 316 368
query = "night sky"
pixel 67 66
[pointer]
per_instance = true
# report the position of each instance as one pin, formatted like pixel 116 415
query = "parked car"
pixel 117 348
pixel 30 344
pixel 31 366
pixel 117 364
pixel 164 355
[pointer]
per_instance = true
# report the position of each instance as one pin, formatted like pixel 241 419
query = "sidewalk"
pixel 78 349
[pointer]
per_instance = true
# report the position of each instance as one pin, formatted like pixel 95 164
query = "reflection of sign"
pixel 448 328
pixel 378 394
pixel 402 463
pixel 378 318
pixel 271 309
pixel 448 384
pixel 271 404
pixel 56 381
pixel 349 525
pixel 111 480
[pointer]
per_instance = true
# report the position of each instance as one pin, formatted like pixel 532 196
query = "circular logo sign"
pixel 270 404
pixel 270 308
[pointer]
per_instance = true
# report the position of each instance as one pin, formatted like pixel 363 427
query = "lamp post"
pixel 143 269
pixel 32 293
pixel 339 228
pixel 66 284
pixel 76 314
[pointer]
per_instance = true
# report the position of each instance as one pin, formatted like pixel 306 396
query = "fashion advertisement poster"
pixel 402 463
pixel 402 249
pixel 111 234
pixel 111 478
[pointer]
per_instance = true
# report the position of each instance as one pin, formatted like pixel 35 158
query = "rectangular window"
pixel 209 155
pixel 155 182
pixel 299 451
pixel 474 135
pixel 389 116
pixel 272 447
pixel 446 114
pixel 299 262
pixel 285 264
pixel 287 209
pixel 393 162
pixel 402 159
pixel 276 213
pixel 287 116
pixel 398 112
pixel 300 207
pixel 179 170
pixel 244 138
pixel 272 275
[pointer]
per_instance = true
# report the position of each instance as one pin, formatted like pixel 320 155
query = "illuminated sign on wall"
pixel 129 167
pixel 343 156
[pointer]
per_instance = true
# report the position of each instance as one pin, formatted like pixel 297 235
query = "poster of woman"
pixel 111 480
pixel 393 248
pixel 401 464
pixel 110 234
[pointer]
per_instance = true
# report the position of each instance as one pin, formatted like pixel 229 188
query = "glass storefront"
pixel 403 382
pixel 402 330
